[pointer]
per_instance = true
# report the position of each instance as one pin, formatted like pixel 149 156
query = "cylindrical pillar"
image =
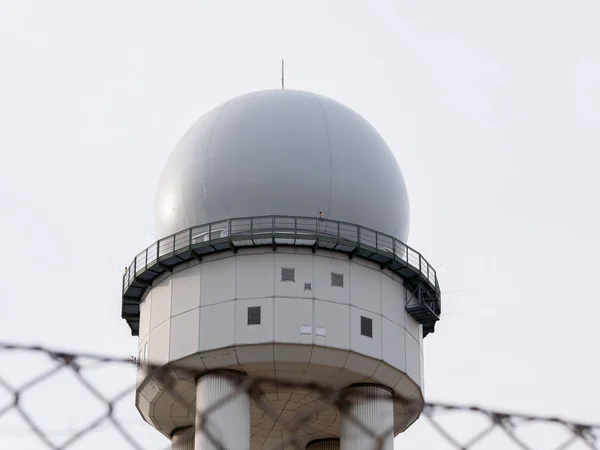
pixel 369 421
pixel 183 439
pixel 324 444
pixel 227 412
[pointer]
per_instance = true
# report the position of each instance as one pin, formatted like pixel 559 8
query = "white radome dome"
pixel 282 152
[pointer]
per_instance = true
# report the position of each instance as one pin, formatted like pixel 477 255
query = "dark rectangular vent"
pixel 366 326
pixel 308 286
pixel 337 279
pixel 288 274
pixel 254 315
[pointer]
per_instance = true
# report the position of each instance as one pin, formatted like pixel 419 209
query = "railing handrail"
pixel 424 271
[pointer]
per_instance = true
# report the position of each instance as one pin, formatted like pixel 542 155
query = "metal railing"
pixel 233 234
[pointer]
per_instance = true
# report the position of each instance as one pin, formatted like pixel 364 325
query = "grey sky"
pixel 492 110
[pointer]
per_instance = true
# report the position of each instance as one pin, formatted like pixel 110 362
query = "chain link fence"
pixel 58 400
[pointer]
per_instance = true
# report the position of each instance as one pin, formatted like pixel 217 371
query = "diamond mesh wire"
pixel 32 407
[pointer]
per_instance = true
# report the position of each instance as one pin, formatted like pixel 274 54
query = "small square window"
pixel 337 279
pixel 254 315
pixel 288 274
pixel 308 286
pixel 366 326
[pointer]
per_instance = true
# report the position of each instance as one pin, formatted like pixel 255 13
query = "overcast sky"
pixel 492 109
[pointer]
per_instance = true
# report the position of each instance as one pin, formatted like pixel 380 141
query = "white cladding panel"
pixel 303 273
pixel 218 281
pixel 145 308
pixel 413 327
pixel 186 290
pixel 421 381
pixel 332 322
pixel 253 334
pixel 393 299
pixel 326 316
pixel 323 267
pixel 365 288
pixel 217 326
pixel 370 346
pixel 255 275
pixel 394 340
pixel 185 333
pixel 161 303
pixel 293 320
pixel 413 355
pixel 158 344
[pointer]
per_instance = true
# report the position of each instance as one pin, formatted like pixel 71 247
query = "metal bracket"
pixel 196 255
pixel 165 267
pixel 353 253
pixel 386 264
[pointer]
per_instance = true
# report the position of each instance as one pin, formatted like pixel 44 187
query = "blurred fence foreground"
pixel 57 400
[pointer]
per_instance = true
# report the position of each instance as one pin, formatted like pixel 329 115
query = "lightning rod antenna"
pixel 282 75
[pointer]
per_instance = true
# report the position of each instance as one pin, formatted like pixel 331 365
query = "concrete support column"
pixel 227 407
pixel 324 444
pixel 183 439
pixel 371 406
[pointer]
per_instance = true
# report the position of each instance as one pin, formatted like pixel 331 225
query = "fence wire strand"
pixel 482 426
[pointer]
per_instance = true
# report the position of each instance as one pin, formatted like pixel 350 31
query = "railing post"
pixel 295 227
pixel 376 241
pixel 146 267
pixel 338 232
pixel 173 251
pixel 420 270
pixel 210 233
pixel 252 229
pixel 134 266
pixel 358 237
pixel 157 251
pixel 394 248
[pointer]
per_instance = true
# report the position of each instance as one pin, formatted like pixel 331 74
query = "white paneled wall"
pixel 393 299
pixel 334 318
pixel 185 332
pixel 158 344
pixel 393 338
pixel 254 334
pixel 161 303
pixel 145 308
pixel 292 316
pixel 186 290
pixel 365 288
pixel 218 281
pixel 255 276
pixel 370 346
pixel 413 358
pixel 322 288
pixel 217 326
pixel 205 307
pixel 303 268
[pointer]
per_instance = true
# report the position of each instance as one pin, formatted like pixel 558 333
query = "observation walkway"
pixel 423 302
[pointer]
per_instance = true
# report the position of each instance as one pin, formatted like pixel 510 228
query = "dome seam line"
pixel 329 147
pixel 212 129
